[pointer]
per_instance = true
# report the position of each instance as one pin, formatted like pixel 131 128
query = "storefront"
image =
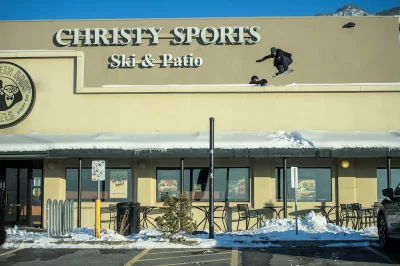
pixel 140 98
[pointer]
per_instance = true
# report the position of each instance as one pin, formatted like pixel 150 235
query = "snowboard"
pixel 284 73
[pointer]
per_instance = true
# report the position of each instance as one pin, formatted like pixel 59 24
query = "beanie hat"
pixel 273 50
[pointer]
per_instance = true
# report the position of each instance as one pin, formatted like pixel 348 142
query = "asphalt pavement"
pixel 268 256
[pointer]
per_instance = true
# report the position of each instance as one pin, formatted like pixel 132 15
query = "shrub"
pixel 123 226
pixel 176 217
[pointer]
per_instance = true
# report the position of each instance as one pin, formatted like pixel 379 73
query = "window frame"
pixel 396 192
pixel 308 167
pixel 379 195
pixel 248 190
pixel 130 190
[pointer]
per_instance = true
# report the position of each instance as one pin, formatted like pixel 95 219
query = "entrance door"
pixel 16 196
pixel 21 192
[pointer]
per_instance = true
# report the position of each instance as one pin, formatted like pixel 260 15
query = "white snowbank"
pixel 38 142
pixel 312 227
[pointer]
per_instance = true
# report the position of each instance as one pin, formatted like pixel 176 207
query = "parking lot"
pixel 270 256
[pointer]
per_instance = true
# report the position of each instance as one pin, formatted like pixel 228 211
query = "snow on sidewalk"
pixel 311 228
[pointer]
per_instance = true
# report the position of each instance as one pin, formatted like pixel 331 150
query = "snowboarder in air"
pixel 257 81
pixel 282 60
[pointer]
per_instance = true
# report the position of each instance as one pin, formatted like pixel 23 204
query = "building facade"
pixel 139 94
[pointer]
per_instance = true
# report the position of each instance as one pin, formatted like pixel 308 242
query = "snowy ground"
pixel 311 228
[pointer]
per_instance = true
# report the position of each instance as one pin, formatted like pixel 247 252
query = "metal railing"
pixel 60 218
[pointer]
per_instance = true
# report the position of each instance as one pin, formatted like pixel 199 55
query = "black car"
pixel 389 217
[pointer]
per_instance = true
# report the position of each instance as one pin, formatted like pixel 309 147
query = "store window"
pixel 230 184
pixel 315 185
pixel 117 186
pixel 381 174
pixel 169 182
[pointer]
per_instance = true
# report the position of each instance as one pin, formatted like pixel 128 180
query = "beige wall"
pixel 58 110
pixel 323 51
pixel 357 184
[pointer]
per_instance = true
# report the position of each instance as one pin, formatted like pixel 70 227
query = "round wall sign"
pixel 17 94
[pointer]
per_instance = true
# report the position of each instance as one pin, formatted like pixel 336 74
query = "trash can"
pixel 128 218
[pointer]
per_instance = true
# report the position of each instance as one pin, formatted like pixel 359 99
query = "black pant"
pixel 282 63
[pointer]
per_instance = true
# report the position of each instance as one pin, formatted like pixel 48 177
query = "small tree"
pixel 176 217
pixel 123 225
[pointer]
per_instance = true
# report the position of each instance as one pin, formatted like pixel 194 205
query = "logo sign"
pixel 17 94
pixel 294 175
pixel 98 170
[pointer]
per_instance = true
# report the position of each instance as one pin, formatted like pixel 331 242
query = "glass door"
pixel 21 192
pixel 16 196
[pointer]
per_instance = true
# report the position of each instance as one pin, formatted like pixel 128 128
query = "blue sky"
pixel 111 9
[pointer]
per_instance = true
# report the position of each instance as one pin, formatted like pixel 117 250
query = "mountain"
pixel 395 11
pixel 352 10
pixel 347 11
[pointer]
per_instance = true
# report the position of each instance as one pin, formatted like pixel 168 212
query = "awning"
pixel 306 144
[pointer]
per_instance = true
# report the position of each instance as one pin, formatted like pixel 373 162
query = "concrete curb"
pixel 289 243
pixel 311 243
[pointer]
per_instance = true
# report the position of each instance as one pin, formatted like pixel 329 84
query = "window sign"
pixel 167 183
pixel 314 184
pixel 118 184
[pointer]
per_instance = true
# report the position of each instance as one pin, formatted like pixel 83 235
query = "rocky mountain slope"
pixel 352 10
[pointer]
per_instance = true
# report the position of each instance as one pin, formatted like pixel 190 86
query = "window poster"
pixel 118 184
pixel 168 188
pixel 306 190
pixel 237 188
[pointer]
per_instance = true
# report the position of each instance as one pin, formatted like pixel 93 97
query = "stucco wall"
pixel 323 51
pixel 58 110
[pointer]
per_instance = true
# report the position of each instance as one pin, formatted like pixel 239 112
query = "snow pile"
pixel 311 228
pixel 38 142
pixel 151 141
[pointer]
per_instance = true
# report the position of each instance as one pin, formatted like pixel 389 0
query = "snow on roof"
pixel 199 140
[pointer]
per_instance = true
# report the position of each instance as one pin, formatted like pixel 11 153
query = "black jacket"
pixel 279 53
pixel 261 82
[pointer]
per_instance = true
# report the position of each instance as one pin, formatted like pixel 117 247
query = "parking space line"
pixel 9 252
pixel 173 252
pixel 235 257
pixel 203 261
pixel 381 255
pixel 190 256
pixel 137 257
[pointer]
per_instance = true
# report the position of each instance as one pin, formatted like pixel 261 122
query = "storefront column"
pixel 79 194
pixel 337 192
pixel 182 175
pixel 284 189
pixel 389 172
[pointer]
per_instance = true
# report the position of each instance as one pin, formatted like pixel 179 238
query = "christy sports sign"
pixel 134 36
pixel 17 94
